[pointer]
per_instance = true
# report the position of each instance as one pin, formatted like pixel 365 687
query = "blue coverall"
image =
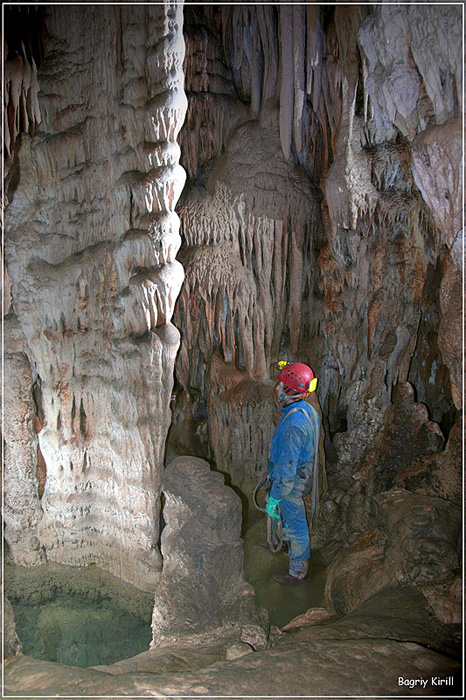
pixel 290 466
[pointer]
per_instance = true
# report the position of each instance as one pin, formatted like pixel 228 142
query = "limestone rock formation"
pixel 451 324
pixel 23 511
pixel 356 122
pixel 438 474
pixel 202 586
pixel 11 644
pixel 359 573
pixel 446 600
pixel 91 240
pixel 248 216
pixel 324 166
pixel 405 503
pixel 321 221
pixel 423 532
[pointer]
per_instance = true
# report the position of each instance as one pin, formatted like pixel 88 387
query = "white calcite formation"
pixel 91 240
pixel 237 302
pixel 413 59
pixel 21 85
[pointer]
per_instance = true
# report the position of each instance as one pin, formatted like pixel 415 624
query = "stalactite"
pixel 299 47
pixel 238 249
pixel 269 42
pixel 256 68
pixel 279 53
pixel 256 238
pixel 23 52
pixel 314 54
pixel 286 78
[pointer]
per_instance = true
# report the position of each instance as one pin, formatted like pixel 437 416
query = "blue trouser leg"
pixel 296 533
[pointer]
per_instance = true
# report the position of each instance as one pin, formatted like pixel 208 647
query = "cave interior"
pixel 191 194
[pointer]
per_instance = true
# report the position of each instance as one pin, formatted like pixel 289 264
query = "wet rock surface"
pixel 202 586
pixel 395 634
pixel 390 637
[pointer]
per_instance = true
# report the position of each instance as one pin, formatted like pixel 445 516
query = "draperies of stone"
pixel 91 244
pixel 321 221
pixel 317 218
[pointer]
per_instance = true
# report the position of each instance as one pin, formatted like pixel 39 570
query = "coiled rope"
pixel 274 527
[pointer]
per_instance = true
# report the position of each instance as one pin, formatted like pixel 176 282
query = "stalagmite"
pixel 202 588
pixel 23 508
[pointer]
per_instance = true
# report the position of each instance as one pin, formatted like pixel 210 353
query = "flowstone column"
pixel 91 241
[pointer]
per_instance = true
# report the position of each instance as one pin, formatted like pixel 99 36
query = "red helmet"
pixel 297 378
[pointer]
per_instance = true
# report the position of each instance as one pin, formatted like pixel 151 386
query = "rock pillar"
pixel 91 240
pixel 202 587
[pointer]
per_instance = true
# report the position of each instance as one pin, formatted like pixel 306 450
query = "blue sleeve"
pixel 286 462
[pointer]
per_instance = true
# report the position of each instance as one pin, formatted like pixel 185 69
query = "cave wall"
pixel 321 221
pixel 91 237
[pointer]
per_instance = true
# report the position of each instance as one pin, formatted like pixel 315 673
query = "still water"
pixel 283 602
pixel 74 632
pixel 85 617
pixel 79 617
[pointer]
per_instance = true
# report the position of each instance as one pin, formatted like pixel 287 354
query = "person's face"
pixel 278 392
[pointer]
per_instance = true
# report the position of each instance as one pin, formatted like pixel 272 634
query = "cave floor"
pixel 378 649
pixel 366 653
pixel 282 602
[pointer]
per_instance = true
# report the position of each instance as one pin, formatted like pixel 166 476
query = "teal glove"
pixel 272 508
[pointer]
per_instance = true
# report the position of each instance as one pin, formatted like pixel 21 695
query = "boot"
pixel 287 578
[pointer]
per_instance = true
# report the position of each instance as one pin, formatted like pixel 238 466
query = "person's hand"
pixel 272 508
